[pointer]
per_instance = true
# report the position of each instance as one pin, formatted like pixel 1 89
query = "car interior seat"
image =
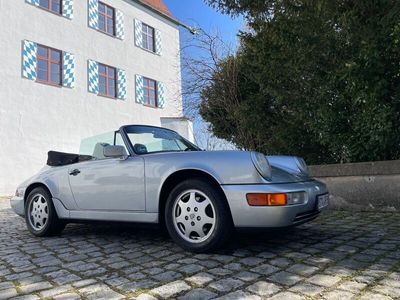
pixel 140 148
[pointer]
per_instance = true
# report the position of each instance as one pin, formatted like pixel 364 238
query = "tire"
pixel 40 215
pixel 197 216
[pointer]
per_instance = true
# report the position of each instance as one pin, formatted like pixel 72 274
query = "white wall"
pixel 35 118
pixel 183 126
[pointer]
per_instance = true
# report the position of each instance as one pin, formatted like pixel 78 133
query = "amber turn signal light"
pixel 259 199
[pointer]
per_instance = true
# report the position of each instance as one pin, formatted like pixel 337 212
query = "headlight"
pixel 301 164
pixel 261 164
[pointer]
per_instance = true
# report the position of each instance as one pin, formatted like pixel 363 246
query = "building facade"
pixel 76 68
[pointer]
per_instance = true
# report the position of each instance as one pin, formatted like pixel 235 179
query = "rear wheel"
pixel 197 216
pixel 40 215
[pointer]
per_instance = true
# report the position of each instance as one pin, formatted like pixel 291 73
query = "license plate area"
pixel 322 201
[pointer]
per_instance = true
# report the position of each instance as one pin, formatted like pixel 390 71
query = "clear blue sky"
pixel 196 12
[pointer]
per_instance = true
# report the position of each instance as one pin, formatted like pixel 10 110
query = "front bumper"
pixel 245 215
pixel 17 204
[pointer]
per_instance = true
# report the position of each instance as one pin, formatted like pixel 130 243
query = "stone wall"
pixel 362 186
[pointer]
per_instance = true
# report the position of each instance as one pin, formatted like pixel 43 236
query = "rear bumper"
pixel 268 216
pixel 17 204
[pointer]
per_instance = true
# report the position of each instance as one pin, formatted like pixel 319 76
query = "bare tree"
pixel 201 55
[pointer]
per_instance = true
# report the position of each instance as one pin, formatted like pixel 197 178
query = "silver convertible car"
pixel 149 174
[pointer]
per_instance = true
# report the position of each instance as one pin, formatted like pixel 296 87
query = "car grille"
pixel 305 216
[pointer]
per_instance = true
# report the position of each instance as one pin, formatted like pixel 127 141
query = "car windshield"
pixel 147 139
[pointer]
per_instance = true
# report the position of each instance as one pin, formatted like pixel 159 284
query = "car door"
pixel 109 184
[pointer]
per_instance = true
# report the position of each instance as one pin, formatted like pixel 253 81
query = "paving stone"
pixel 338 295
pixel 246 276
pixel 390 282
pixel 62 277
pixel 198 294
pixel 324 280
pixel 265 269
pixel 251 261
pixel 391 291
pixel 8 293
pixel 220 271
pixel 108 294
pixel 280 262
pixel 145 297
pixel 234 266
pixel 6 285
pixel 26 297
pixel 54 291
pixel 302 269
pixel 339 271
pixel 307 289
pixel 374 296
pixel 226 285
pixel 364 279
pixel 286 296
pixel 167 276
pixel 191 269
pixel 171 289
pixel 266 254
pixel 29 288
pixel 263 288
pixel 239 295
pixel 285 278
pixel 83 282
pixel 352 286
pixel 200 279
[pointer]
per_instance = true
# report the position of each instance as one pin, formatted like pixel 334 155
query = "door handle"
pixel 74 172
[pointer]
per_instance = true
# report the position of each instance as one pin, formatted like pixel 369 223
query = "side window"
pixel 119 141
pixel 94 145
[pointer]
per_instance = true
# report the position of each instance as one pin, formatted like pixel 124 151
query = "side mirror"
pixel 115 151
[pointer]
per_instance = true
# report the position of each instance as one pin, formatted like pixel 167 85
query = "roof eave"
pixel 172 19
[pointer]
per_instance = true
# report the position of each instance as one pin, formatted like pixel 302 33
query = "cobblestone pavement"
pixel 341 255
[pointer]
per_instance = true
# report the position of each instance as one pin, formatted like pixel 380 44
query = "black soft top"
pixel 55 158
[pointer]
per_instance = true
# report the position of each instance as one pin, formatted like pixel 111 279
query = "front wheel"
pixel 40 215
pixel 197 216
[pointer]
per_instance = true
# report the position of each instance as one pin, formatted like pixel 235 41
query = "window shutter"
pixel 93 13
pixel 121 84
pixel 29 60
pixel 119 25
pixel 68 70
pixel 138 33
pixel 68 9
pixel 158 42
pixel 139 89
pixel 93 76
pixel 34 2
pixel 160 95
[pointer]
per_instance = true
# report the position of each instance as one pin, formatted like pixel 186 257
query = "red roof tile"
pixel 157 5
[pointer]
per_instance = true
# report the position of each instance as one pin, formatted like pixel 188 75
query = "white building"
pixel 75 68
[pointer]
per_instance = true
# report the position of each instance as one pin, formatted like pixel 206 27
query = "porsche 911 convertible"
pixel 149 174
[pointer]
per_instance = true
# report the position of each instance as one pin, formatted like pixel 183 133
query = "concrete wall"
pixel 362 186
pixel 35 118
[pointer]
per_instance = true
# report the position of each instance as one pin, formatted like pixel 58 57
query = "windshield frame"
pixel 124 133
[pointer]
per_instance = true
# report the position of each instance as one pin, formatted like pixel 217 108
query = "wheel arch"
pixel 34 185
pixel 173 179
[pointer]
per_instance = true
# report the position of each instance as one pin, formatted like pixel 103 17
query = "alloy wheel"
pixel 194 216
pixel 38 212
